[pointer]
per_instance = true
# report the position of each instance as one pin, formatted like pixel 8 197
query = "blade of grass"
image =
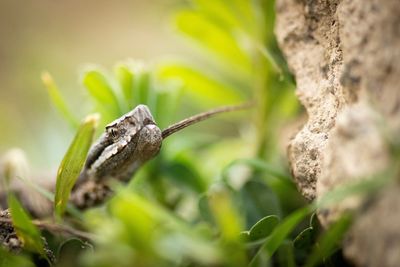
pixel 101 91
pixel 125 78
pixel 359 187
pixel 8 259
pixel 72 163
pixel 280 233
pixel 256 164
pixel 325 247
pixel 263 227
pixel 203 87
pixel 212 37
pixel 58 101
pixel 25 229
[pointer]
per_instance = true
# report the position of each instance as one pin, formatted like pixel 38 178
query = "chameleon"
pixel 126 144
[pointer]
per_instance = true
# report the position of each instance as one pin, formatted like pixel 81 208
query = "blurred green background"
pixel 62 37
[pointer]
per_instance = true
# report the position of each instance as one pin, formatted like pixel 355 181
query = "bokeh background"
pixel 62 37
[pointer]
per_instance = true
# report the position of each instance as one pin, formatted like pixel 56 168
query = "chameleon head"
pixel 127 143
pixel 130 123
pixel 137 128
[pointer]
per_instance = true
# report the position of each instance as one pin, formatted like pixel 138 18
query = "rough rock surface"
pixel 383 229
pixel 345 55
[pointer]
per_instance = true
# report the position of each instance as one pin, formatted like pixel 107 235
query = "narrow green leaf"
pixel 286 255
pixel 258 201
pixel 359 187
pixel 125 78
pixel 270 59
pixel 142 87
pixel 304 240
pixel 72 162
pixel 25 229
pixel 280 233
pixel 331 239
pixel 229 224
pixel 256 164
pixel 204 209
pixel 314 223
pixel 244 236
pixel 168 102
pixel 101 91
pixel 204 88
pixel 225 214
pixel 69 251
pixel 182 172
pixel 263 227
pixel 8 259
pixel 219 12
pixel 58 101
pixel 212 37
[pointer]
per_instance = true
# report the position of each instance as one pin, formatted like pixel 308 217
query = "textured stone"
pixel 374 240
pixel 345 56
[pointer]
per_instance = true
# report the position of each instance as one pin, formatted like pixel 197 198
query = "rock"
pixel 374 240
pixel 345 57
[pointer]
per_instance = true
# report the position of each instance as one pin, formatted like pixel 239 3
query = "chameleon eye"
pixel 148 121
pixel 114 133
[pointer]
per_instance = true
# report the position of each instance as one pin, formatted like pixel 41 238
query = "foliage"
pixel 72 163
pixel 201 202
pixel 25 229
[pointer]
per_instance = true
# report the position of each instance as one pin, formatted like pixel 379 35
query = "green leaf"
pixel 305 239
pixel 219 12
pixel 244 236
pixel 204 209
pixel 142 88
pixel 329 240
pixel 101 91
pixel 314 223
pixel 136 83
pixel 58 101
pixel 280 233
pixel 286 255
pixel 72 162
pixel 229 224
pixel 182 172
pixel 234 15
pixel 358 187
pixel 263 227
pixel 225 213
pixel 8 259
pixel 256 164
pixel 258 200
pixel 69 251
pixel 25 229
pixel 212 37
pixel 168 102
pixel 125 78
pixel 202 87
